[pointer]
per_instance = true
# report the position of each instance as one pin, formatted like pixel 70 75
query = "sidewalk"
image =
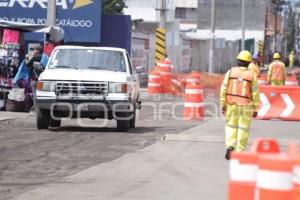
pixel 12 115
pixel 187 166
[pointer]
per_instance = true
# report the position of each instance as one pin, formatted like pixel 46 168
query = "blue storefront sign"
pixel 80 19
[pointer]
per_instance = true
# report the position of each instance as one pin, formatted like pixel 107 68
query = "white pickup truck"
pixel 88 82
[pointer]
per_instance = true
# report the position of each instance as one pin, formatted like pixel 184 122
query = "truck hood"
pixel 84 75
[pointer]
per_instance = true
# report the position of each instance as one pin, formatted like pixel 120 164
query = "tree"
pixel 113 7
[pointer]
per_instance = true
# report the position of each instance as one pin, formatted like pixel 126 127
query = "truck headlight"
pixel 46 86
pixel 118 88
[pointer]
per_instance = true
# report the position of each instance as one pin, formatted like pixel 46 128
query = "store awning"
pixel 56 33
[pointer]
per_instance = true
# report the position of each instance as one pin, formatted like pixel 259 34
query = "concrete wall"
pixel 224 57
pixel 228 14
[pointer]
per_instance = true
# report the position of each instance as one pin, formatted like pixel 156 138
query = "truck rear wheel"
pixel 42 119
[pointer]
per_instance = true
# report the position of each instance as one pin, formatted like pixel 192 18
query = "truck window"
pixel 88 59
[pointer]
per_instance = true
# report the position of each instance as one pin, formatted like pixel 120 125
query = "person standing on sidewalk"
pixel 41 60
pixel 276 73
pixel 239 99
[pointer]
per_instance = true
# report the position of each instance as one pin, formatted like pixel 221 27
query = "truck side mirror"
pixel 140 69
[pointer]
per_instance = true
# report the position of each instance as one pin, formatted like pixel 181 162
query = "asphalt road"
pixel 30 157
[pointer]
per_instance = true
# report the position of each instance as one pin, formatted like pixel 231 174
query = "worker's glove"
pixel 255 114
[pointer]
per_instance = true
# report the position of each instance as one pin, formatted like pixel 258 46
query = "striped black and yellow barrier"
pixel 261 50
pixel 160 44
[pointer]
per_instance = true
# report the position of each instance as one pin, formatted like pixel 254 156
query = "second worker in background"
pixel 277 73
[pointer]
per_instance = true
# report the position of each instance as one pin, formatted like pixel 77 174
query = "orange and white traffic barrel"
pixel 274 177
pixel 154 83
pixel 194 105
pixel 243 171
pixel 294 153
pixel 193 79
pixel 165 70
pixel 244 168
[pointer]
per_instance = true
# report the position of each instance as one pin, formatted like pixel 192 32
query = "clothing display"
pixel 9 60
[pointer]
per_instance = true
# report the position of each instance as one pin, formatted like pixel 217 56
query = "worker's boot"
pixel 228 152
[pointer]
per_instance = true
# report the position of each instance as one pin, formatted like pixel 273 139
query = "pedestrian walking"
pixel 239 99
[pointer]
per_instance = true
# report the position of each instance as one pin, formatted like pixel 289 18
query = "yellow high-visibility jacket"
pixel 254 101
pixel 255 68
pixel 277 73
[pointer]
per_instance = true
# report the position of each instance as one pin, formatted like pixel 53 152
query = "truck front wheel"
pixel 123 122
pixel 42 119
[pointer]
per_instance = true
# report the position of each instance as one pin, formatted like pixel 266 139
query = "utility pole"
pixel 51 13
pixel 275 33
pixel 243 24
pixel 212 39
pixel 265 36
pixel 163 14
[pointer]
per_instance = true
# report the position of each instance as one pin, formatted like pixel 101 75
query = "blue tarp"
pixel 116 31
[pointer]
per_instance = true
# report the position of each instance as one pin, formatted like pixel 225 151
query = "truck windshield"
pixel 88 59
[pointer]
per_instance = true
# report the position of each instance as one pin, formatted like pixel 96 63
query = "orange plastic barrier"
pixel 243 169
pixel 193 106
pixel 154 83
pixel 279 102
pixel 274 177
pixel 262 80
pixel 291 81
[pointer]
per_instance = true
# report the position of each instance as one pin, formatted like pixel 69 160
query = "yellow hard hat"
pixel 245 56
pixel 276 56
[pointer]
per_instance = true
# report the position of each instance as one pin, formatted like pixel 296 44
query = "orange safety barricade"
pixel 243 169
pixel 154 83
pixel 279 102
pixel 262 80
pixel 194 105
pixel 291 81
pixel 274 177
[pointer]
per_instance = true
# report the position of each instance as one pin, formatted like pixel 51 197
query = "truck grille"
pixel 82 88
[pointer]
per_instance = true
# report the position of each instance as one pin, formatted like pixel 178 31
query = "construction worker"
pixel 291 59
pixel 254 65
pixel 239 99
pixel 276 73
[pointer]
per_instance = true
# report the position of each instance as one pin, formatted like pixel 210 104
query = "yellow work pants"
pixel 238 120
pixel 277 83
